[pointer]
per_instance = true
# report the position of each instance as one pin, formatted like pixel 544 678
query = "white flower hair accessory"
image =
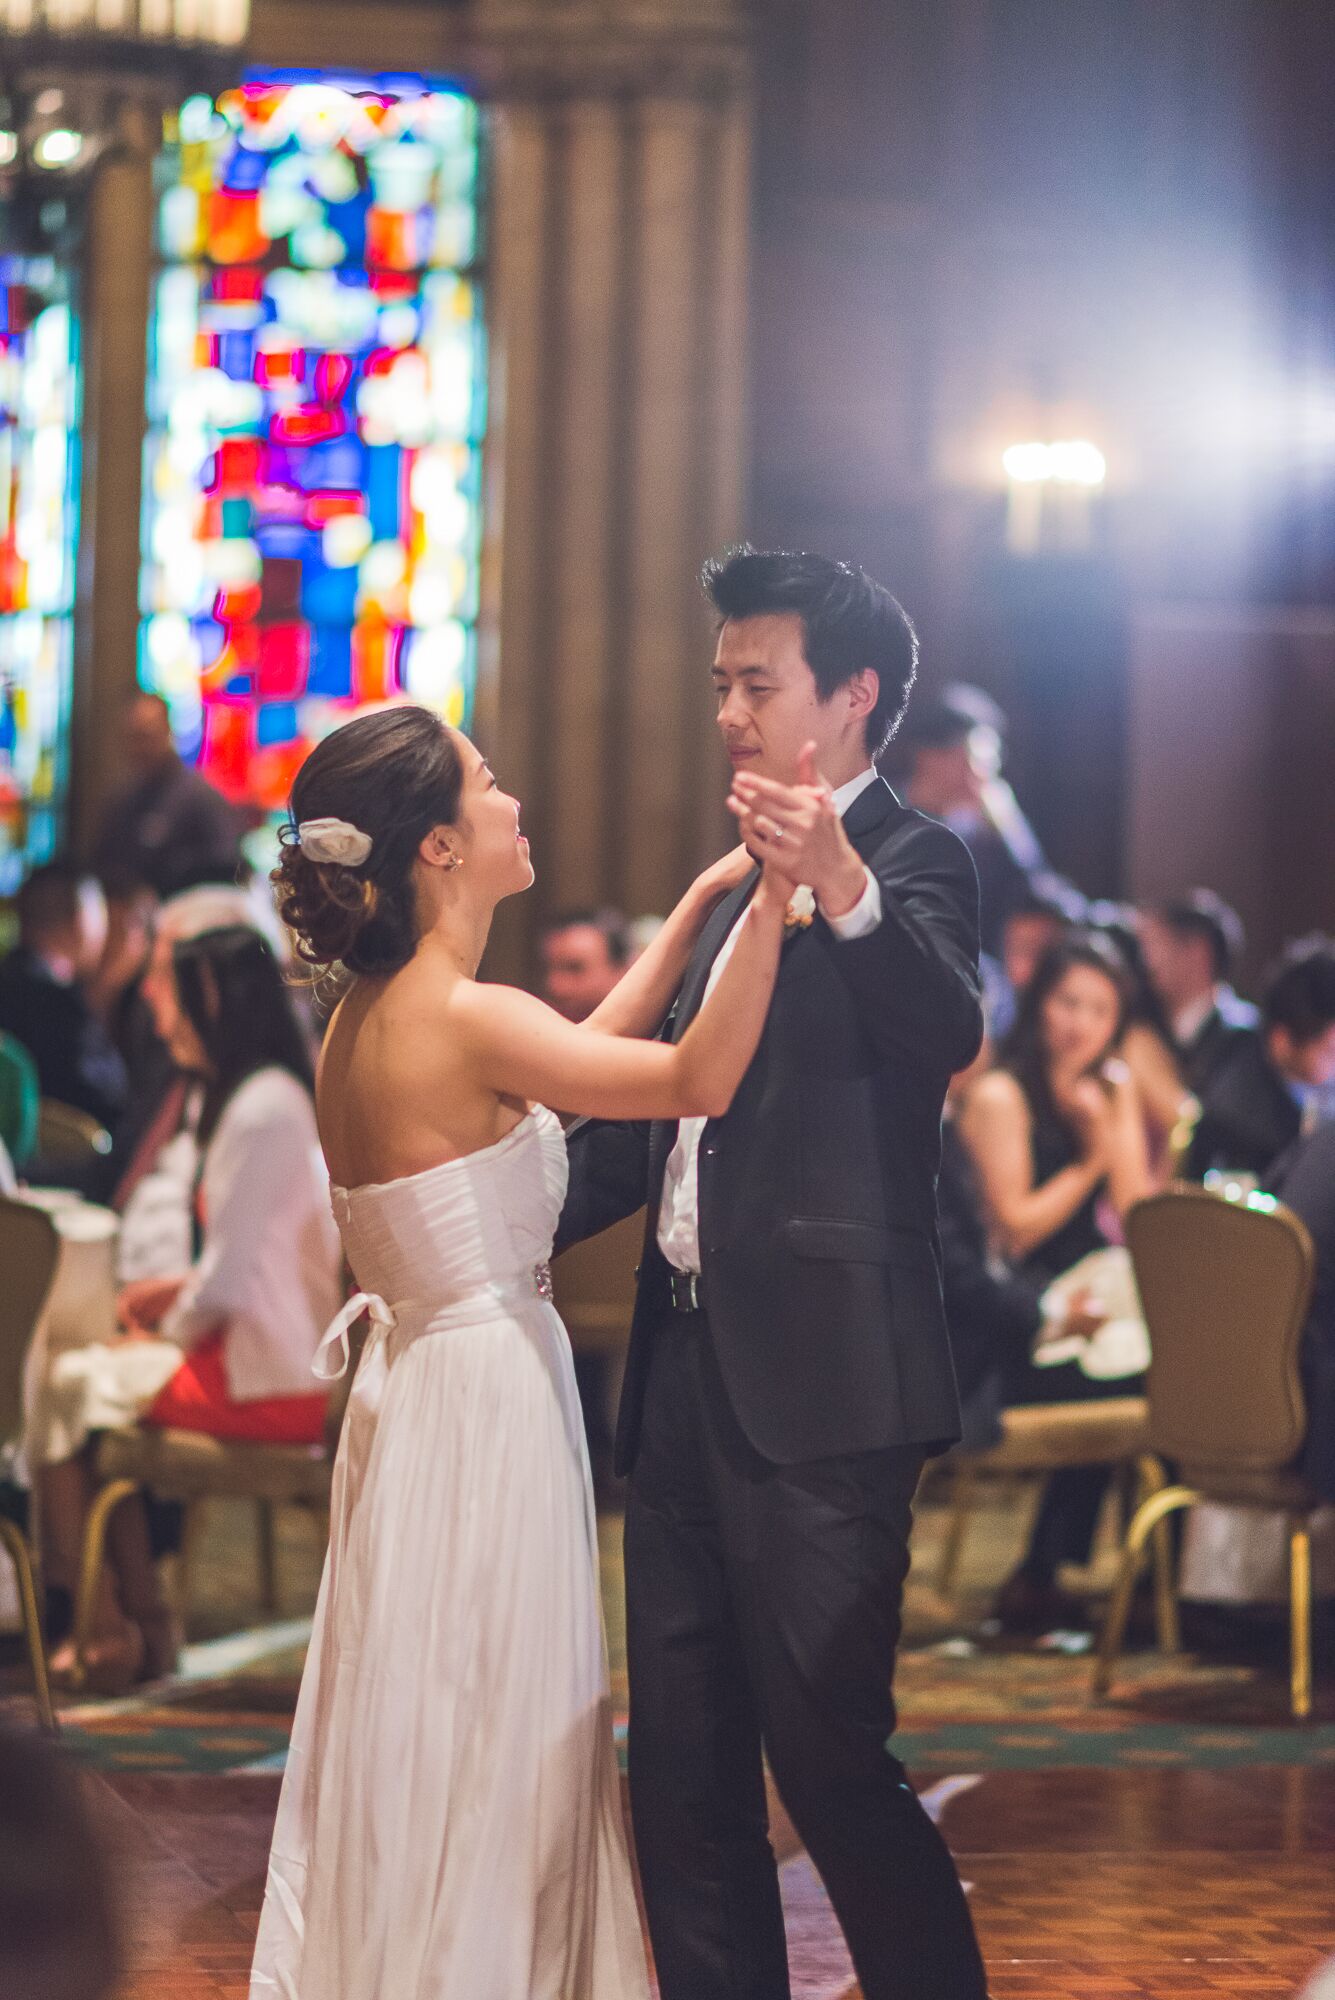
pixel 333 842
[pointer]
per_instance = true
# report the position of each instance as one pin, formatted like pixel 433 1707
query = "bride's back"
pixel 393 1095
pixel 385 814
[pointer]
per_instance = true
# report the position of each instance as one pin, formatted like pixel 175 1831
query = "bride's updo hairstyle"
pixel 388 777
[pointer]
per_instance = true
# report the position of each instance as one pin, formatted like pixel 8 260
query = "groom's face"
pixel 768 703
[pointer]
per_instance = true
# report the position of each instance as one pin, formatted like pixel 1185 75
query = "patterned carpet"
pixel 967 1702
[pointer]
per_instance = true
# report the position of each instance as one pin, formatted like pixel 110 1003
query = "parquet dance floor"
pixel 1087 1885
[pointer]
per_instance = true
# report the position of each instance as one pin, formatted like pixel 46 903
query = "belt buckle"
pixel 685 1291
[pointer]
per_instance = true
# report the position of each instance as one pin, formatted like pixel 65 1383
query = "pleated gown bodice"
pixel 472 1233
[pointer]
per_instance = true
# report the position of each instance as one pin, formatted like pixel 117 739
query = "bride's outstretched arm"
pixel 641 997
pixel 520 1048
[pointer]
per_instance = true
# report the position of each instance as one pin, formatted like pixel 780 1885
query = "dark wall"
pixel 985 220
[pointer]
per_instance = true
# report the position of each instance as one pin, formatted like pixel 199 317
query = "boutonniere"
pixel 801 909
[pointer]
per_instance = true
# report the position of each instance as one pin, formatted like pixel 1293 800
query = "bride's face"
pixel 492 848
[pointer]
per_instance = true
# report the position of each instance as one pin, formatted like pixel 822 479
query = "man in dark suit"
pixel 167 825
pixel 1191 948
pixel 951 751
pixel 44 992
pixel 789 1367
pixel 1273 1085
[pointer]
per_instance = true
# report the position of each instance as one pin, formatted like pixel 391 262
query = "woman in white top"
pixel 224 1347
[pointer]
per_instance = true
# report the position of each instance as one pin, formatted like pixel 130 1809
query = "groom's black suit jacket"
pixel 819 1252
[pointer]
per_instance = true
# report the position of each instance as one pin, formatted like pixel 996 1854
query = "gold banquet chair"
pixel 189 1467
pixel 29 1252
pixel 1225 1286
pixel 67 1136
pixel 1039 1438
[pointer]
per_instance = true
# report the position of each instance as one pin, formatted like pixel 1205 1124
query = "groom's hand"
pixel 797 829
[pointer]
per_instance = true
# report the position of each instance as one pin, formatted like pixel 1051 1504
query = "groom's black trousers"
pixel 763 1608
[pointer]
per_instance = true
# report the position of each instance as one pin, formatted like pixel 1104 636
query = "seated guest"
pixel 1033 926
pixel 225 1347
pixel 1057 1137
pixel 993 1316
pixel 167 825
pixel 584 953
pixel 116 992
pixel 1147 1040
pixel 1191 947
pixel 155 1160
pixel 1270 1089
pixel 954 748
pixel 44 991
pixel 116 989
pixel 1306 1184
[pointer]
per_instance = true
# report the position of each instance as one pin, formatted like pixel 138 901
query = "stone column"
pixel 113 315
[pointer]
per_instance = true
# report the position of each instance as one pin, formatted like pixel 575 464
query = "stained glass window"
pixel 39 412
pixel 316 408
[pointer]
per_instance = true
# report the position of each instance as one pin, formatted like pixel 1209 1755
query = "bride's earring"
pixel 455 861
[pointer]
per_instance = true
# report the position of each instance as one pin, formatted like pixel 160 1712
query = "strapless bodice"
pixel 454 1231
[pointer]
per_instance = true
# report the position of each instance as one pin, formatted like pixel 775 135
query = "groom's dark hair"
pixel 848 622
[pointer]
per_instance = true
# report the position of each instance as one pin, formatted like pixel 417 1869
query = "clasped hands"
pixel 796 831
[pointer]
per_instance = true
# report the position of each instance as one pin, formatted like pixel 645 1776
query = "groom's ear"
pixel 864 691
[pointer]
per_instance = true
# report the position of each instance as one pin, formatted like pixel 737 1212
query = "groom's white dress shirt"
pixel 678 1213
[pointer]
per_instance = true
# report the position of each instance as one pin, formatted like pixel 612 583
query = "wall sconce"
pixel 1050 494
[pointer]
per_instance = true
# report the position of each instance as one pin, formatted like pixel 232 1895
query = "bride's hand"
pixel 776 889
pixel 723 876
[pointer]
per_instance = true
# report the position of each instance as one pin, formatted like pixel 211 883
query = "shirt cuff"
pixel 864 916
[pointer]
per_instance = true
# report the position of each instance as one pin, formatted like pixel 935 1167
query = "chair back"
pixel 1225 1287
pixel 66 1136
pixel 594 1287
pixel 29 1249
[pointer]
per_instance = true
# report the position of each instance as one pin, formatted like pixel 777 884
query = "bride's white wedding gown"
pixel 450 1821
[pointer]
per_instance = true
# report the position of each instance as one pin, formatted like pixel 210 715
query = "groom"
pixel 789 1369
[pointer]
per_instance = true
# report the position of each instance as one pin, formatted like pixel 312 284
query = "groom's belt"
pixel 683 1291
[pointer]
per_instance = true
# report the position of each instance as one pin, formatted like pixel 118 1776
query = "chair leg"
pixel 1168 1631
pixel 19 1555
pixel 961 1503
pixel 267 1550
pixel 90 1566
pixel 192 1516
pixel 1300 1617
pixel 1147 1517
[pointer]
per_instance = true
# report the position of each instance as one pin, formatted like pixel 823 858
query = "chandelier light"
pixel 79 76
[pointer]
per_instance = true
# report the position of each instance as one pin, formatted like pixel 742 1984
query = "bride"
pixel 450 1820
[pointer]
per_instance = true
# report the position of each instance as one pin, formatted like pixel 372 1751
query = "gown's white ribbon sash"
pixel 488 1302
pixel 383 1319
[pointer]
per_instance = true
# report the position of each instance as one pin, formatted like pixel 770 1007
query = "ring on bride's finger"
pixel 778 832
